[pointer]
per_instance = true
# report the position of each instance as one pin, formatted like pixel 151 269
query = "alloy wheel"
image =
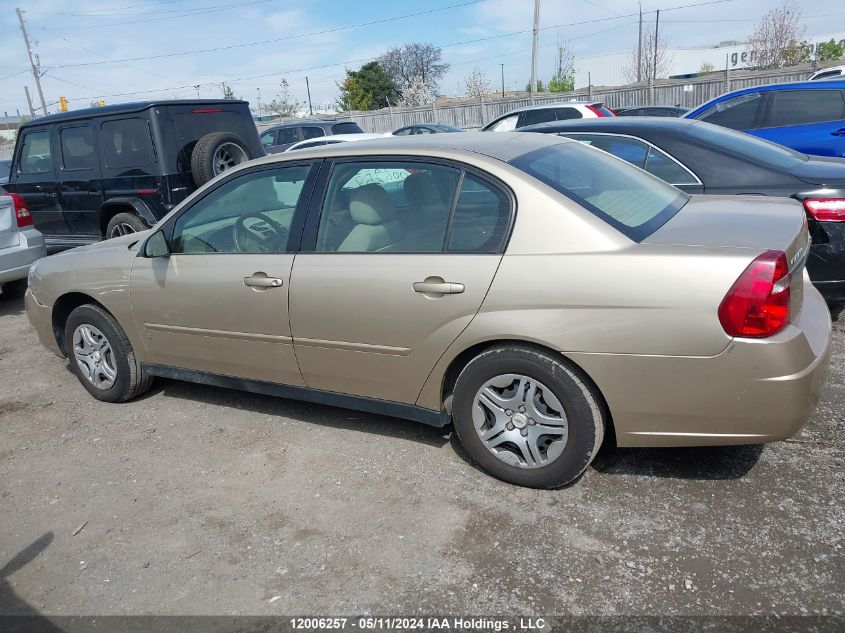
pixel 227 156
pixel 93 354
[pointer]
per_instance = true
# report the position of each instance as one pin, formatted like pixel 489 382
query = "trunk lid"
pixel 756 224
pixel 9 235
pixel 822 170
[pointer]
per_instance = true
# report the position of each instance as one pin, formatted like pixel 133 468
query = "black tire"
pixel 202 157
pixel 131 380
pixel 583 407
pixel 14 289
pixel 126 221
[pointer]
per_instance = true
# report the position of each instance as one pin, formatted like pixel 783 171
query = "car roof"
pixel 554 104
pixel 613 124
pixel 792 85
pixel 504 146
pixel 301 122
pixel 126 108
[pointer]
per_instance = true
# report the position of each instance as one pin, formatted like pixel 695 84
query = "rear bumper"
pixel 755 391
pixel 41 318
pixel 16 260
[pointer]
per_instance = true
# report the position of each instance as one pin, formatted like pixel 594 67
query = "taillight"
pixel 757 305
pixel 596 110
pixel 826 209
pixel 22 214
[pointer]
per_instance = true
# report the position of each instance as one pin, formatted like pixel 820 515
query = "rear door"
pixel 35 180
pixel 810 121
pixel 397 257
pixel 80 185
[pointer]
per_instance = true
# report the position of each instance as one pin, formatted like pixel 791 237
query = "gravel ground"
pixel 195 500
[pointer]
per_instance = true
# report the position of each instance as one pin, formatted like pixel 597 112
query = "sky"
pixel 131 50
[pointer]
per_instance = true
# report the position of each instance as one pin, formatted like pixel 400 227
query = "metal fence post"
pixel 481 109
pixel 651 91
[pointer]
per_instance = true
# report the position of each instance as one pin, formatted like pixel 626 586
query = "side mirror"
pixel 156 245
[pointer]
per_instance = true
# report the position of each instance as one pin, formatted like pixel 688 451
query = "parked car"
pixel 331 140
pixel 558 111
pixel 20 244
pixel 5 170
pixel 426 128
pixel 279 137
pixel 671 111
pixel 396 276
pixel 806 116
pixel 103 172
pixel 701 158
pixel 835 72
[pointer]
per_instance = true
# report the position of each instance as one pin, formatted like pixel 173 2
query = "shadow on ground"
pixel 16 614
pixel 10 307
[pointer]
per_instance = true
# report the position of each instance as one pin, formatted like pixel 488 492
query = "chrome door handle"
pixel 436 286
pixel 259 281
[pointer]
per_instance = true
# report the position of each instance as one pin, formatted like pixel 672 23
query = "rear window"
pixel 347 127
pixel 631 201
pixel 746 146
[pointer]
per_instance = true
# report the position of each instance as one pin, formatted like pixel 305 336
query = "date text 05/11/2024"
pixel 418 623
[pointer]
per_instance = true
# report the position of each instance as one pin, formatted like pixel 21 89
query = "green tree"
pixel 564 78
pixel 795 53
pixel 540 86
pixel 828 51
pixel 706 67
pixel 368 88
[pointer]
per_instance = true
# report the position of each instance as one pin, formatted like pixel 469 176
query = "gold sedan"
pixel 534 292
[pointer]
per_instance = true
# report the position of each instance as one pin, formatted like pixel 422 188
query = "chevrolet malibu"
pixel 538 294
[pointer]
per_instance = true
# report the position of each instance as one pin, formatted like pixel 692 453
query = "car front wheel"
pixel 124 224
pixel 101 356
pixel 527 417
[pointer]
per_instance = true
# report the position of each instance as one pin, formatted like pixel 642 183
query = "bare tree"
pixel 423 61
pixel 416 93
pixel 778 35
pixel 476 84
pixel 650 70
pixel 564 78
pixel 284 105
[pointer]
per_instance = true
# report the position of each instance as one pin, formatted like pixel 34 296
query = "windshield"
pixel 630 200
pixel 746 146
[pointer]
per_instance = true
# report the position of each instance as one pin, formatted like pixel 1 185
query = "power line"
pixel 98 13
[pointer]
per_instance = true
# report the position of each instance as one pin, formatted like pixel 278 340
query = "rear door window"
pixel 802 107
pixel 532 117
pixel 127 143
pixel 631 201
pixel 739 113
pixel 312 132
pixel 77 148
pixel 288 135
pixel 481 218
pixel 36 155
pixel 347 127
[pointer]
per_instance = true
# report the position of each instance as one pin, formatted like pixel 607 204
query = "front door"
pixel 401 259
pixel 80 185
pixel 35 180
pixel 219 302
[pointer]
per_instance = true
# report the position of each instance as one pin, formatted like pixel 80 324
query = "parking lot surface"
pixel 196 500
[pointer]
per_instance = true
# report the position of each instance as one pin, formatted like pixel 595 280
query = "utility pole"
pixel 258 90
pixel 308 88
pixel 534 49
pixel 33 62
pixel 656 40
pixel 640 48
pixel 29 102
pixel 503 80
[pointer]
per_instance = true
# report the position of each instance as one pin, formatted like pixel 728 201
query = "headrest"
pixel 370 204
pixel 421 189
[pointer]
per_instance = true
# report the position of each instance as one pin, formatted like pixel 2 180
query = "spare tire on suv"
pixel 215 153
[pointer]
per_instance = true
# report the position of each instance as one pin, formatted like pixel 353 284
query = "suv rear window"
pixel 631 201
pixel 347 127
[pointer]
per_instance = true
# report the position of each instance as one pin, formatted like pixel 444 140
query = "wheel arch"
pixel 62 308
pixel 462 359
pixel 113 206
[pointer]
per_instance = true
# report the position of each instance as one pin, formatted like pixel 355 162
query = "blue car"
pixel 808 116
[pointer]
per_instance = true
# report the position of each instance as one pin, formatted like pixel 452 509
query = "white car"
pixel 546 113
pixel 835 72
pixel 330 140
pixel 20 244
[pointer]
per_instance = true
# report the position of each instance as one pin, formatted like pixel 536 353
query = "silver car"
pixel 20 244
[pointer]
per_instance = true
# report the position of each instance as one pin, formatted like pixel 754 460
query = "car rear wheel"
pixel 527 417
pixel 102 357
pixel 215 153
pixel 124 224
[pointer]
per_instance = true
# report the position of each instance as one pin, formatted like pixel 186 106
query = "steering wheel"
pixel 263 236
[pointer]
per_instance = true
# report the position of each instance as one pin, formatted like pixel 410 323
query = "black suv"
pixel 102 172
pixel 279 137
